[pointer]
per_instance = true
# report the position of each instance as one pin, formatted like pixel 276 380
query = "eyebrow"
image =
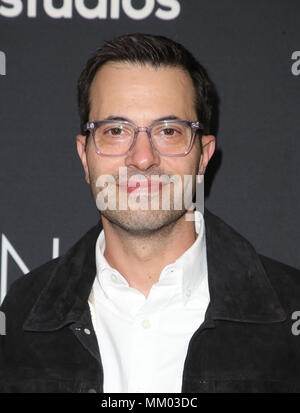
pixel 116 118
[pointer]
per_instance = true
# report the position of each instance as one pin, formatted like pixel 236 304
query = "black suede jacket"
pixel 246 343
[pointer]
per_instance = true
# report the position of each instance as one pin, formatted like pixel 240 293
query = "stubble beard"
pixel 145 222
pixel 141 223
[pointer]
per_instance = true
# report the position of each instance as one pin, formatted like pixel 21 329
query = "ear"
pixel 208 149
pixel 81 149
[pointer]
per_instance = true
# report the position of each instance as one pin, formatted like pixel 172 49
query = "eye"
pixel 115 131
pixel 169 131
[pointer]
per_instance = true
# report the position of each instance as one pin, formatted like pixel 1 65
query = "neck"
pixel 141 258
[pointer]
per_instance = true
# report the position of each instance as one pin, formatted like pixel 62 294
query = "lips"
pixel 146 186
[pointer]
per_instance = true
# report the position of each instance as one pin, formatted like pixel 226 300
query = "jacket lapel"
pixel 65 296
pixel 239 287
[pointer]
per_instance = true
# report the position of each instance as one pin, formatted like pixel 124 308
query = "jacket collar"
pixel 239 287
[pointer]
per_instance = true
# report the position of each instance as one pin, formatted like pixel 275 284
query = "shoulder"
pixel 277 267
pixel 23 292
pixel 285 279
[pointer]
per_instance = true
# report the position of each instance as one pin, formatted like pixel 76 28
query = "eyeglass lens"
pixel 168 137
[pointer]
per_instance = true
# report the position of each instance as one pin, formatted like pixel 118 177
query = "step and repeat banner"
pixel 251 50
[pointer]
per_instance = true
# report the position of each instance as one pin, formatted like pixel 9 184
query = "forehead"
pixel 121 87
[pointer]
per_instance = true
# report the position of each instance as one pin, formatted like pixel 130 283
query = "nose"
pixel 142 156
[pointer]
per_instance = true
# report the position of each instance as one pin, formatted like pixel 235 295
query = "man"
pixel 162 299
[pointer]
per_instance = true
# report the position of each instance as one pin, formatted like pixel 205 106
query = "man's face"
pixel 141 94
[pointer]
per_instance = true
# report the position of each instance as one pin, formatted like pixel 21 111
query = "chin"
pixel 143 222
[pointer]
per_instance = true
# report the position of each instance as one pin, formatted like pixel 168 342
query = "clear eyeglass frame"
pixel 194 126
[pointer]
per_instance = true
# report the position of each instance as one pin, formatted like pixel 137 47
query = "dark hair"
pixel 157 51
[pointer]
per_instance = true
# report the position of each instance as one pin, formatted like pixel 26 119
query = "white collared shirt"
pixel 143 341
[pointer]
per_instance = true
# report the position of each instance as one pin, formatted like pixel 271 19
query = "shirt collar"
pixel 189 270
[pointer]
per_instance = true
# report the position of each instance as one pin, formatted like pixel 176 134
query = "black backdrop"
pixel 251 51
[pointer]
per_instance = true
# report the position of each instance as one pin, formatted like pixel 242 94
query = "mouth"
pixel 144 187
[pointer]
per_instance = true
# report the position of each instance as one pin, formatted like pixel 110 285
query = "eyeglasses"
pixel 167 137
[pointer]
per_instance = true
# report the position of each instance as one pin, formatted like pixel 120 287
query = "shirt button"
pixel 145 324
pixel 92 391
pixel 114 277
pixel 87 331
pixel 188 292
